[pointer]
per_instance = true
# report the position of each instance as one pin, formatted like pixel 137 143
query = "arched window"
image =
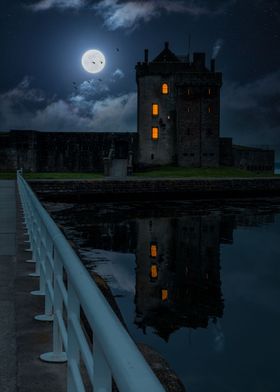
pixel 155 109
pixel 165 89
pixel 155 133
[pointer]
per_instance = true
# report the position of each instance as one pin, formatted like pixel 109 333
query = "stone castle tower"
pixel 178 110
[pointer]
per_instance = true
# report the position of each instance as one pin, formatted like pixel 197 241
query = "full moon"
pixel 93 61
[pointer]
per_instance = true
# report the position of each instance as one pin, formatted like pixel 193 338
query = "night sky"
pixel 44 87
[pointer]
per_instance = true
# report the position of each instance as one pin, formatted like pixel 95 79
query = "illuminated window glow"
pixel 209 91
pixel 155 109
pixel 189 91
pixel 165 88
pixel 210 109
pixel 153 250
pixel 164 295
pixel 155 133
pixel 154 271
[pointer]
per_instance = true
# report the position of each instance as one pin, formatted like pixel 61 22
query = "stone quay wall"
pixel 155 189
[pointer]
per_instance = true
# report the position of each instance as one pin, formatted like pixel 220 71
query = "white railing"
pixel 68 288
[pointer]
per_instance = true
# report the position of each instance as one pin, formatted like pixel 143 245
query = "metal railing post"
pixel 57 355
pixel 73 352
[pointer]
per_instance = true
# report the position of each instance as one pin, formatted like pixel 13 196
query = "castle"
pixel 178 123
pixel 178 110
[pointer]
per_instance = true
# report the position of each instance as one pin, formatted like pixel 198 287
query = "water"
pixel 197 281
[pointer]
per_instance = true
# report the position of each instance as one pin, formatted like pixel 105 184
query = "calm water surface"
pixel 197 281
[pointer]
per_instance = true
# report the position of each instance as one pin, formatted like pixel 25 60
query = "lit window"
pixel 153 250
pixel 210 109
pixel 155 133
pixel 189 91
pixel 165 88
pixel 155 109
pixel 209 91
pixel 154 271
pixel 164 295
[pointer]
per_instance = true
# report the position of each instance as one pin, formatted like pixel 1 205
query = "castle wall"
pixel 254 159
pixel 62 151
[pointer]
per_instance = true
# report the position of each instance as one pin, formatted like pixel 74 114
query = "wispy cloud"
pixel 128 14
pixel 44 5
pixel 121 14
pixel 90 108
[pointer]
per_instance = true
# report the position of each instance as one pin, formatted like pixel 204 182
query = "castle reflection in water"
pixel 177 253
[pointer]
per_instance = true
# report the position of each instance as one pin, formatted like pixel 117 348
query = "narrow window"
pixel 209 91
pixel 154 271
pixel 188 109
pixel 189 91
pixel 164 295
pixel 165 89
pixel 153 249
pixel 155 133
pixel 210 109
pixel 155 109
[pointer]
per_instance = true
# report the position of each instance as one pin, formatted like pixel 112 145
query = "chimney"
pixel 146 56
pixel 213 65
pixel 166 45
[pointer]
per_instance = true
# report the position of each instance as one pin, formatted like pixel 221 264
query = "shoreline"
pixel 155 189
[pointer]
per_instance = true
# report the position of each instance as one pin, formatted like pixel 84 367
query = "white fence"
pixel 68 287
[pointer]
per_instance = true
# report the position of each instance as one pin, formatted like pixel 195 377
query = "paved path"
pixel 22 339
pixel 7 290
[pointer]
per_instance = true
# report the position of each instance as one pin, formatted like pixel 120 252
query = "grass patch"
pixel 53 176
pixel 8 176
pixel 181 172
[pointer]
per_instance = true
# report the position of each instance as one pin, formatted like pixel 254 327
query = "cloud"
pixel 251 111
pixel 87 110
pixel 118 74
pixel 128 14
pixel 44 5
pixel 120 14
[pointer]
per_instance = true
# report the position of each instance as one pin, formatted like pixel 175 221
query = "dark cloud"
pixel 90 108
pixel 251 111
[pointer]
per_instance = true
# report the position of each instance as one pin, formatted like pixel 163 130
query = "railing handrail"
pixel 128 367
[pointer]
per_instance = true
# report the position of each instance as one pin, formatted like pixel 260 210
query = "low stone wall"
pixel 155 189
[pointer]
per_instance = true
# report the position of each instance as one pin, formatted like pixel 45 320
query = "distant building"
pixel 178 123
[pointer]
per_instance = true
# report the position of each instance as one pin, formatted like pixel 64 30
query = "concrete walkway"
pixel 22 339
pixel 7 289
